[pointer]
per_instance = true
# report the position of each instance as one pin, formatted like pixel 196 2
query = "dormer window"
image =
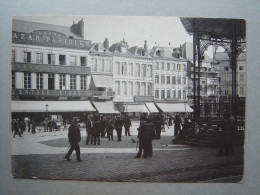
pixel 123 49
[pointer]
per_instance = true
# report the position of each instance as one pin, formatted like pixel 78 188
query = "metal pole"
pixel 199 62
pixel 194 70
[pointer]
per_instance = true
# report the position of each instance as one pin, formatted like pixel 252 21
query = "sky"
pixel 158 31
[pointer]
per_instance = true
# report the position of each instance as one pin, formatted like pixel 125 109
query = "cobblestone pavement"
pixel 113 161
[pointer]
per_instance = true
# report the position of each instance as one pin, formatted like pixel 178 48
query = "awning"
pixel 106 107
pixel 151 107
pixel 53 106
pixel 102 80
pixel 174 107
pixel 136 108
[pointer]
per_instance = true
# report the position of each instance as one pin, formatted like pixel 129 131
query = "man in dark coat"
pixel 127 124
pixel 102 126
pixel 74 137
pixel 89 129
pixel 15 128
pixel 118 127
pixel 96 130
pixel 145 136
pixel 177 125
pixel 109 128
pixel 158 126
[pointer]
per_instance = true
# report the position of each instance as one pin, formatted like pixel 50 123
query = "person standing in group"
pixel 29 125
pixel 33 127
pixel 96 130
pixel 226 143
pixel 110 128
pixel 145 136
pixel 89 129
pixel 74 137
pixel 15 128
pixel 102 126
pixel 177 125
pixel 127 124
pixel 118 127
pixel 158 126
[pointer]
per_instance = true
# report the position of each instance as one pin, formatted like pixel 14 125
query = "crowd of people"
pixel 18 127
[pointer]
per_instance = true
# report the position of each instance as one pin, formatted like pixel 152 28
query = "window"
pixel 162 94
pixel 27 80
pixel 39 80
pixel 173 66
pixel 124 68
pixel 130 88
pixel 226 92
pixel 50 81
pixel 83 61
pixel 157 93
pixel 184 67
pixel 62 59
pixel 51 59
pixel 101 65
pixel 149 88
pixel 94 64
pixel 117 68
pixel 144 70
pixel 168 80
pixel 179 94
pixel 178 67
pixel 130 71
pixel 117 88
pixel 137 70
pixel 123 49
pixel 184 80
pixel 241 68
pixel 156 78
pixel 143 89
pixel 39 58
pixel 73 82
pixel 73 60
pixel 168 66
pixel 184 94
pixel 162 65
pixel 174 93
pixel 226 68
pixel 83 82
pixel 109 66
pixel 27 57
pixel 156 65
pixel 173 80
pixel 163 79
pixel 62 82
pixel 13 56
pixel 241 91
pixel 241 77
pixel 124 86
pixel 150 68
pixel 13 80
pixel 168 93
pixel 137 88
pixel 179 80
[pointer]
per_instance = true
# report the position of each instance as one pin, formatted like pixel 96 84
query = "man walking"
pixel 89 129
pixel 109 128
pixel 15 128
pixel 127 124
pixel 96 130
pixel 74 137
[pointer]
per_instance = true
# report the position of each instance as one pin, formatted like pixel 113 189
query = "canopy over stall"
pixel 174 107
pixel 136 108
pixel 106 107
pixel 52 106
pixel 151 107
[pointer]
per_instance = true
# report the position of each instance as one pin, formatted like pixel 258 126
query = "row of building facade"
pixel 51 62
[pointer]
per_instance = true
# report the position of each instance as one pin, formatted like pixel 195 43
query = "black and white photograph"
pixel 128 98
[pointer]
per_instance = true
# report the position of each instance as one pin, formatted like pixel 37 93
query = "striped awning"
pixel 106 107
pixel 174 107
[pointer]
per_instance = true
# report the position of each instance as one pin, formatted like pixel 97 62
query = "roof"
pixel 167 53
pixel 215 27
pixel 223 56
pixel 29 27
pixel 99 48
pixel 137 51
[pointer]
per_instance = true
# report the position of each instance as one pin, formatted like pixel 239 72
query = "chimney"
pixel 81 28
pixel 106 43
pixel 145 46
